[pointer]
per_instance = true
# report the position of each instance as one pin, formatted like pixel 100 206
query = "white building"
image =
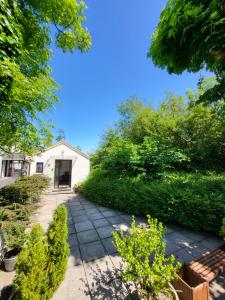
pixel 63 163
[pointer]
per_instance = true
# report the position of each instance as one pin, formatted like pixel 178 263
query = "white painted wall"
pixel 80 164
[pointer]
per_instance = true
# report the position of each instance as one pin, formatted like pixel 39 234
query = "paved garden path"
pixel 93 259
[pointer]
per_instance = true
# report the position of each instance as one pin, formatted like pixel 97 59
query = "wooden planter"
pixel 190 286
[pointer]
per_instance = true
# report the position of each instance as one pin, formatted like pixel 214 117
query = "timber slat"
pixel 210 264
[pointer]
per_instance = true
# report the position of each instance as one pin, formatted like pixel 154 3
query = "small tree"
pixel 58 249
pixel 143 251
pixel 30 268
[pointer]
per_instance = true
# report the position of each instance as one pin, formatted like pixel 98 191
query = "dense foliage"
pixel 26 86
pixel 194 201
pixel 143 251
pixel 179 134
pixel 30 268
pixel 42 263
pixel 25 190
pixel 190 36
pixel 58 250
pixel 132 168
pixel 13 234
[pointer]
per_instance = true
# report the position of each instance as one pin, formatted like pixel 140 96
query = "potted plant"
pixel 143 253
pixel 14 237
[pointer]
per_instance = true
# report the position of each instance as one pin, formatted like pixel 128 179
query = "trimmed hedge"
pixel 58 249
pixel 25 190
pixel 194 201
pixel 41 264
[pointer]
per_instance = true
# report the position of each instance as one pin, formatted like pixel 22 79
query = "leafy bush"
pixel 14 235
pixel 25 190
pixel 58 249
pixel 14 212
pixel 30 268
pixel 143 250
pixel 146 161
pixel 195 201
pixel 42 263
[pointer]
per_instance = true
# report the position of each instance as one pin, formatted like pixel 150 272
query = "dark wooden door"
pixel 63 169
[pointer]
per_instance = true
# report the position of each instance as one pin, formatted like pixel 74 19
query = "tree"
pixel 26 86
pixel 60 135
pixel 190 36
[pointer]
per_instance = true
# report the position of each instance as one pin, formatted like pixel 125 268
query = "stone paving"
pixel 94 263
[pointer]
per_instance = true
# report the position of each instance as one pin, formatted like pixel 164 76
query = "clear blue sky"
pixel 115 68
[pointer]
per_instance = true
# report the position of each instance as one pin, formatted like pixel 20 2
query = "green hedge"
pixel 41 265
pixel 25 190
pixel 194 201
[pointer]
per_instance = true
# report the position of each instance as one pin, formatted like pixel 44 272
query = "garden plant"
pixel 42 263
pixel 143 252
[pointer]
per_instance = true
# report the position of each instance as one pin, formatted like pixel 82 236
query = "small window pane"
pixel 39 167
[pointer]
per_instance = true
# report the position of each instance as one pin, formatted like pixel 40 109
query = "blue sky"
pixel 114 69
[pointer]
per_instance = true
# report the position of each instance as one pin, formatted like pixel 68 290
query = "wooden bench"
pixel 210 264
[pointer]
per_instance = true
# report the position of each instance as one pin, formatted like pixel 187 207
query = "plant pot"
pixel 10 258
pixel 190 286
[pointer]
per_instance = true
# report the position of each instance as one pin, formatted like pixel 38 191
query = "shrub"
pixel 143 251
pixel 147 160
pixel 25 190
pixel 42 263
pixel 195 201
pixel 14 235
pixel 58 250
pixel 30 268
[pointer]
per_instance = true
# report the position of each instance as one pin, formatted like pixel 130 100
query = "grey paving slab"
pixel 109 245
pixel 77 213
pixel 184 256
pixel 105 231
pixel 96 216
pixel 195 236
pixel 87 236
pixel 211 243
pixel 72 240
pixel 102 281
pixel 109 213
pixel 102 208
pixel 179 239
pixel 115 220
pixel 74 204
pixel 78 219
pixel 83 226
pixel 90 211
pixel 92 251
pixel 74 257
pixel 100 223
pixel 126 218
pixel 76 208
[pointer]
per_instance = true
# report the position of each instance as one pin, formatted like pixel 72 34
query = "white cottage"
pixel 63 163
